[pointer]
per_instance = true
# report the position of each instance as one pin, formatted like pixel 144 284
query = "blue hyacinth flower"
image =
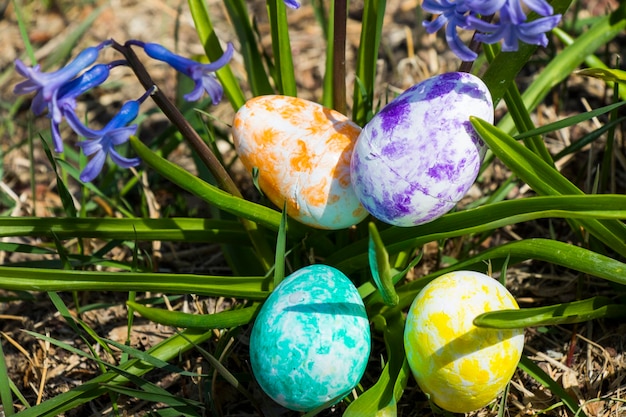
pixel 69 92
pixel 101 143
pixel 46 85
pixel 294 4
pixel 203 75
pixel 512 28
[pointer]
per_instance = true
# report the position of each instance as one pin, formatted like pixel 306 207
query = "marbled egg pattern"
pixel 461 366
pixel 311 340
pixel 302 151
pixel 419 155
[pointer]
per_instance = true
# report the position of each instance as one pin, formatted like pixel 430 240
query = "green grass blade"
pixel 392 381
pixel 371 31
pixel 546 180
pixel 606 74
pixel 564 313
pixel 283 61
pixel 570 121
pixel 257 77
pixel 544 379
pixel 281 245
pixel 29 279
pixel 209 193
pixel 222 320
pixel 555 252
pixel 165 350
pixel 6 398
pixel 329 25
pixel 380 268
pixel 481 219
pixel 174 229
pixel 200 14
pixel 588 138
pixel 521 116
pixel 183 406
pixel 592 61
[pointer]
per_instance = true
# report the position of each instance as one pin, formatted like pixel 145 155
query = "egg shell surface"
pixel 310 342
pixel 418 156
pixel 462 367
pixel 302 151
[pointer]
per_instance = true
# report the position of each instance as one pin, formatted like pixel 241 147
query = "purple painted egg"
pixel 420 154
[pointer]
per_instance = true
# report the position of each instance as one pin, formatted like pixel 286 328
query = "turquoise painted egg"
pixel 462 367
pixel 310 342
pixel 418 156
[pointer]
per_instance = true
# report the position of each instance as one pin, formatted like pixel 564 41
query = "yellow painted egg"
pixel 302 151
pixel 460 366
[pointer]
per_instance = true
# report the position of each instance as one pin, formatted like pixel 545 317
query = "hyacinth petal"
pixel 91 146
pixel 510 41
pixel 485 7
pixel 92 78
pixel 539 26
pixel 161 53
pixel 434 25
pixel 195 94
pixel 540 7
pixel 432 6
pixel 294 4
pixel 38 104
pixel 121 134
pixel 77 126
pixel 122 161
pixel 93 167
pixel 213 88
pixel 457 46
pixel 221 61
pixel 27 86
pixel 481 25
pixel 57 140
pixel 127 113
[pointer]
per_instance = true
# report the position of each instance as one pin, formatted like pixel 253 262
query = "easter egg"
pixel 418 156
pixel 302 151
pixel 311 339
pixel 462 367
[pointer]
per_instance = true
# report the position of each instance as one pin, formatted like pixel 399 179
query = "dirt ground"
pixel 587 359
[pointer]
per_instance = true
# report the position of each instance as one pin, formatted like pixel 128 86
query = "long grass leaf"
pixel 257 77
pixel 6 398
pixel 223 320
pixel 371 32
pixel 482 219
pixel 554 252
pixel 175 229
pixel 283 60
pixel 165 350
pixel 546 180
pixel 23 279
pixel 532 369
pixel 200 14
pixel 564 313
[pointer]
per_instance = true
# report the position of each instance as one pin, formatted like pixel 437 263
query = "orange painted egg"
pixel 302 151
pixel 460 366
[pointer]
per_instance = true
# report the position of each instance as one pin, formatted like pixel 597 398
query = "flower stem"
pixel 339 56
pixel 176 117
pixel 466 66
pixel 225 182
